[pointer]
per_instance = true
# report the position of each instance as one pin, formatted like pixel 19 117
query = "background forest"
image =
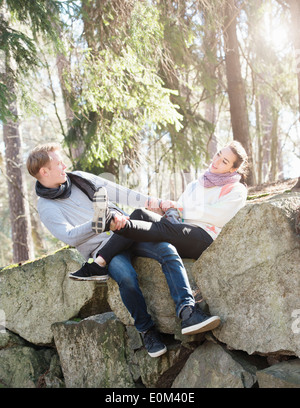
pixel 144 92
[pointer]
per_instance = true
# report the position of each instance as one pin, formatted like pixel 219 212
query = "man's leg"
pixel 173 269
pixel 193 319
pixel 121 270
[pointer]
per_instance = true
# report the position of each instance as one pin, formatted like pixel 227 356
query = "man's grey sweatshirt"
pixel 70 219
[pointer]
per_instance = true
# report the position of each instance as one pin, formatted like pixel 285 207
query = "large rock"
pixel 21 366
pixel 93 352
pixel 250 277
pixel 100 351
pixel 156 291
pixel 282 375
pixel 36 294
pixel 211 366
pixel 161 372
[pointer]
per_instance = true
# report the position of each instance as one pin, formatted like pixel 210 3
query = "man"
pixel 67 209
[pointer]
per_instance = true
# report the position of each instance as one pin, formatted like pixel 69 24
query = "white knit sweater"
pixel 211 208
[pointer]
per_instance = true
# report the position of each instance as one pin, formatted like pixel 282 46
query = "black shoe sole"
pixel 90 278
pixel 209 324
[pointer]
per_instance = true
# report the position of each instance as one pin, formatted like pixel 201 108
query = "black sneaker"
pixel 90 272
pixel 100 203
pixel 196 321
pixel 153 343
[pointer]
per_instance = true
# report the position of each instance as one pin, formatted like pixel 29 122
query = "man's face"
pixel 55 174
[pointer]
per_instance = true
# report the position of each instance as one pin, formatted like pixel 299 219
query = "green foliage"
pixel 119 97
pixel 4 102
pixel 145 34
pixel 138 77
pixel 120 94
pixel 19 47
pixel 184 68
pixel 42 15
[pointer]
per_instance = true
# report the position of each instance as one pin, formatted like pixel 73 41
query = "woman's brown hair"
pixel 241 162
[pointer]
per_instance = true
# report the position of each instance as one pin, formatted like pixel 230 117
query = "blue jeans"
pixel 121 270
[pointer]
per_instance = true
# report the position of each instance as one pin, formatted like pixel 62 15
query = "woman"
pixel 207 205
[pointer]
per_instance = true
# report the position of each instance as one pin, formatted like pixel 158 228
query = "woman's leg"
pixel 146 226
pixel 118 243
pixel 190 241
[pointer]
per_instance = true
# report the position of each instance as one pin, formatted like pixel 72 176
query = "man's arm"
pixel 117 193
pixel 57 224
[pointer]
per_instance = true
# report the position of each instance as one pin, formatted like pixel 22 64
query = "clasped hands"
pixel 160 206
pixel 153 204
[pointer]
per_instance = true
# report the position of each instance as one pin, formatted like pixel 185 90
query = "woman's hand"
pixel 166 204
pixel 160 206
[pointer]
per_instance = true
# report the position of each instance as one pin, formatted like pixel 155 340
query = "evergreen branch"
pixel 54 96
pixel 18 46
pixel 40 14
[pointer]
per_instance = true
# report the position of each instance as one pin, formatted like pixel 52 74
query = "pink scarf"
pixel 209 179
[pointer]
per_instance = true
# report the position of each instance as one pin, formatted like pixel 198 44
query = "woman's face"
pixel 223 161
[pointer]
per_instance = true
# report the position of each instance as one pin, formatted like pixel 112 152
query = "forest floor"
pixel 268 190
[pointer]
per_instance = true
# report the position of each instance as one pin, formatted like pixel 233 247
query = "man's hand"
pixel 118 222
pixel 153 204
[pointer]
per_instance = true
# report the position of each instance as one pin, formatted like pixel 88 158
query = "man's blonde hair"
pixel 39 157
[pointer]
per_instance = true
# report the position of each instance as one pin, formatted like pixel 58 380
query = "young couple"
pixel 77 208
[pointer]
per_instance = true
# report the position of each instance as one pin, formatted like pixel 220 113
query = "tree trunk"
pixel 274 146
pixel 297 187
pixel 266 126
pixel 18 205
pixel 210 62
pixel 235 84
pixel 295 14
pixel 259 148
pixel 63 65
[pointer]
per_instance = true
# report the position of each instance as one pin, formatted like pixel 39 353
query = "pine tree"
pixel 295 14
pixel 235 83
pixel 20 48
